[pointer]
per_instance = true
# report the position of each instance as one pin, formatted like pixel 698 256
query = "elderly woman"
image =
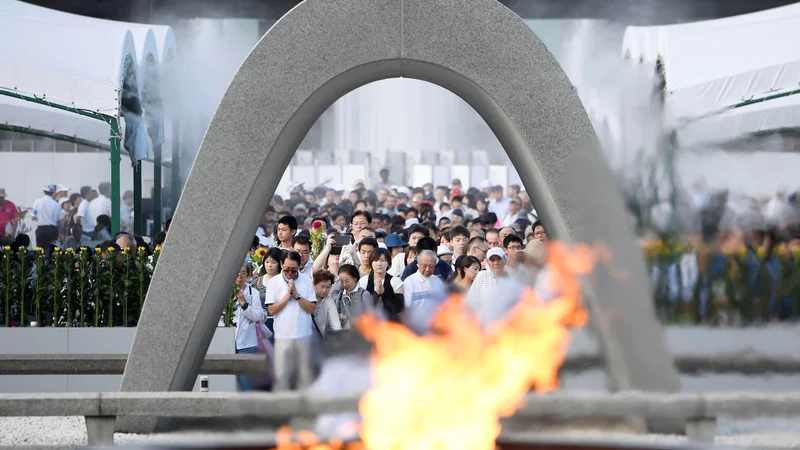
pixel 326 316
pixel 352 300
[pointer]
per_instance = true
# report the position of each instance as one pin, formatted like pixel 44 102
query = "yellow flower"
pixel 40 250
pixel 140 249
pixel 110 249
pixel 742 251
pixel 57 249
pixel 761 252
pixel 7 248
pixel 70 250
pixel 658 247
pixel 781 251
pixel 98 249
pixel 158 248
pixel 125 250
pixel 261 252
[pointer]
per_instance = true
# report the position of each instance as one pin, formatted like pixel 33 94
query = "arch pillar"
pixel 318 52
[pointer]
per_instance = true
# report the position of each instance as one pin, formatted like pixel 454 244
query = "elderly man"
pixel 487 279
pixel 125 240
pixel 422 291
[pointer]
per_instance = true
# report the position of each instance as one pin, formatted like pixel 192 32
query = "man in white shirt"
pixel 514 213
pixel 497 203
pixel 291 299
pixel 126 212
pixel 47 214
pixel 84 216
pixel 102 204
pixel 422 292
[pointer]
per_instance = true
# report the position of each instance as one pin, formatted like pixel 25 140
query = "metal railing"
pixel 700 411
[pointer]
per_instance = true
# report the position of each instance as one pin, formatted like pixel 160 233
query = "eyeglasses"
pixel 290 269
pixel 484 250
pixel 515 248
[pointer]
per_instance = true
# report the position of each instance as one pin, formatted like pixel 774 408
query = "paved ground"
pixel 70 431
pixel 776 340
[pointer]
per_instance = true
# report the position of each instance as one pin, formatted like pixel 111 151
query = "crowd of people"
pixel 80 219
pixel 391 251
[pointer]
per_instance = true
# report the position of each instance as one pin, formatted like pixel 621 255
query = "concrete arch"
pixel 323 49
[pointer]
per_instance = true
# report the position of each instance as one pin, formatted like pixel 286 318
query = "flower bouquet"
pixel 317 238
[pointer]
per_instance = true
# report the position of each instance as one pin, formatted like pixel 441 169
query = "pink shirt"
pixel 8 211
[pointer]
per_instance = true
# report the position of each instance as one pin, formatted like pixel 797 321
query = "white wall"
pixel 23 174
pixel 64 341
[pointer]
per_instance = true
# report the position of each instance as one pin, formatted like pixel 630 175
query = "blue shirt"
pixel 443 270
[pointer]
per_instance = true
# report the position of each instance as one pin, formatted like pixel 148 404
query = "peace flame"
pixel 450 388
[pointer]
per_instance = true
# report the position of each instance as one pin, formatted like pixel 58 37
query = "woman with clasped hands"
pixel 248 315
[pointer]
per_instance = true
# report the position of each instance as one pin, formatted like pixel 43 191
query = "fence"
pixel 101 288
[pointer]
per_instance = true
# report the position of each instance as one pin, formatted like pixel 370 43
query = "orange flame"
pixel 448 389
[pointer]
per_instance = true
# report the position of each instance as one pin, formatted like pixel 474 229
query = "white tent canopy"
pixel 73 66
pixel 773 115
pixel 711 66
pixel 164 37
pixel 642 43
pixel 708 70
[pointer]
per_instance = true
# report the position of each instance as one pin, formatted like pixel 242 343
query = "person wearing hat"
pixel 9 219
pixel 47 215
pixel 487 279
pixel 394 243
pixel 445 254
pixel 62 191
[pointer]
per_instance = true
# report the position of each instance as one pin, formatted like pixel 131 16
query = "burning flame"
pixel 448 389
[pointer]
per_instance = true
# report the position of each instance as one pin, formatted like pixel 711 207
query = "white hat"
pixel 410 222
pixel 496 251
pixel 403 190
pixel 62 200
pixel 382 245
pixel 49 188
pixel 486 184
pixel 62 188
pixel 357 182
pixel 443 250
pixel 338 187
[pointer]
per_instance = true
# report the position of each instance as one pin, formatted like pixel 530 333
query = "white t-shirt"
pixel 87 221
pixel 47 211
pixel 396 282
pixel 291 322
pixel 418 290
pixel 99 206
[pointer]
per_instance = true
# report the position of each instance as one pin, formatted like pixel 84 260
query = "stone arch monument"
pixel 323 49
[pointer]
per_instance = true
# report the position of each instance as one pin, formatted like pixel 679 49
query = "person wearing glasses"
pixel 302 245
pixel 291 299
pixel 359 221
pixel 478 247
pixel 512 245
